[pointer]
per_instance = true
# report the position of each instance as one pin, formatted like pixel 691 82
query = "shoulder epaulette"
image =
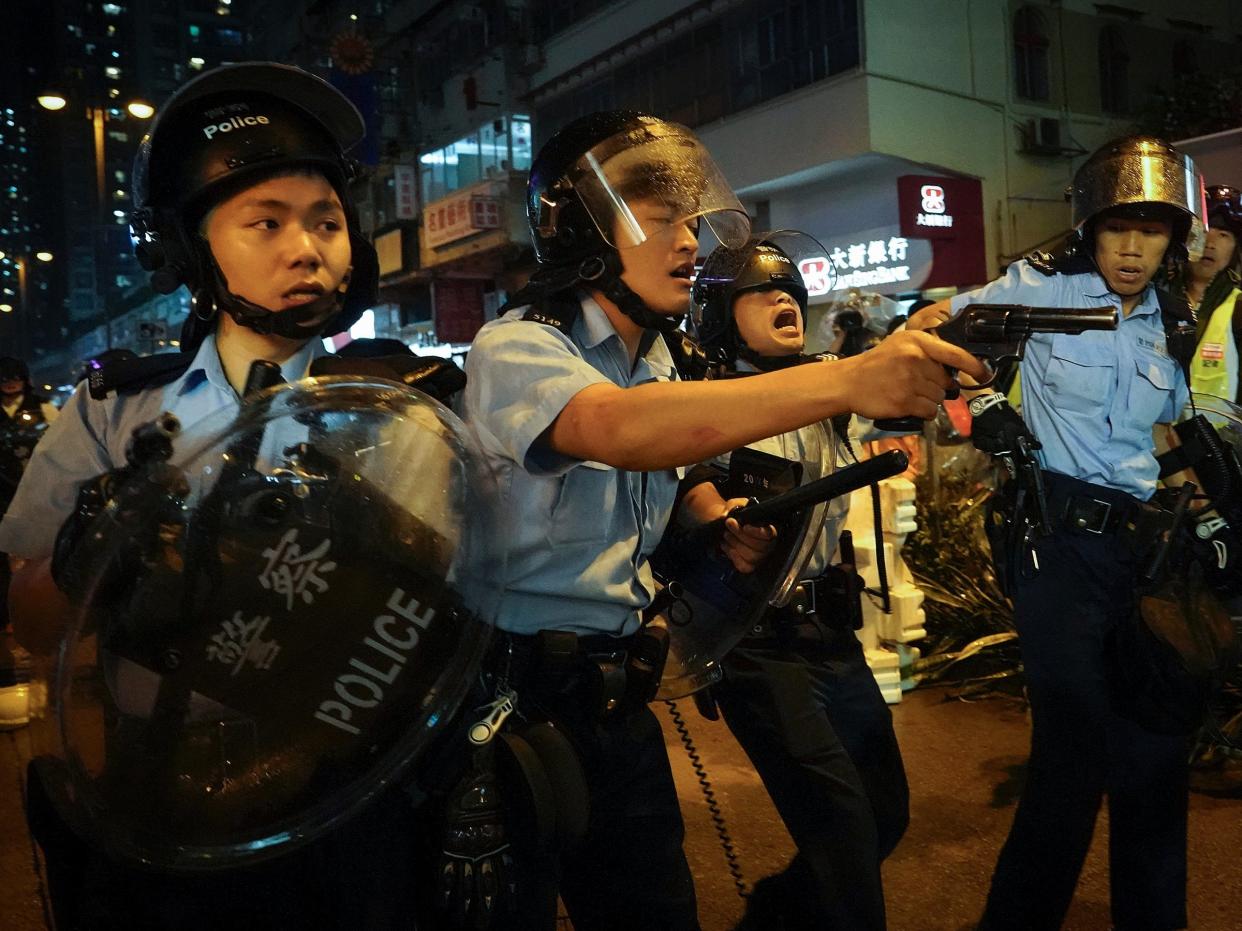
pixel 128 376
pixel 1042 262
pixel 439 378
pixel 558 311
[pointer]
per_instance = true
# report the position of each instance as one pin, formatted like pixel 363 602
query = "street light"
pixel 52 101
pixel 139 109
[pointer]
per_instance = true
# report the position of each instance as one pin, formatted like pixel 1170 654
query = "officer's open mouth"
pixel 1129 272
pixel 303 293
pixel 786 318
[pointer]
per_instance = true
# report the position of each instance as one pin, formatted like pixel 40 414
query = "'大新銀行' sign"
pixel 875 260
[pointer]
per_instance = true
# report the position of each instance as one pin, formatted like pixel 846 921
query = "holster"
pixel 625 673
pixel 1005 530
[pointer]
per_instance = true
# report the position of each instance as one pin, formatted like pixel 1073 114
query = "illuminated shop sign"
pixel 869 264
pixel 932 200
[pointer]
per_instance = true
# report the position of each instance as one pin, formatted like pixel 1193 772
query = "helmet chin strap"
pixel 767 363
pixel 604 272
pixel 300 323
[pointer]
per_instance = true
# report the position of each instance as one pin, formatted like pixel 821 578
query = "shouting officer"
pixel 797 692
pixel 575 397
pixel 242 195
pixel 1099 403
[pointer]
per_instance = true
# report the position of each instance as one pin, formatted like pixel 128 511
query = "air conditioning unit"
pixel 1043 136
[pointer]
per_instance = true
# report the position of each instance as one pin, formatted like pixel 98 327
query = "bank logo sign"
pixel 933 201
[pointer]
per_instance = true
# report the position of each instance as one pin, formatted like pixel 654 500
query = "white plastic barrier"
pixel 886 638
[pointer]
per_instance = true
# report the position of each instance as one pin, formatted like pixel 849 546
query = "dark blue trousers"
pixel 810 716
pixel 629 871
pixel 1082 750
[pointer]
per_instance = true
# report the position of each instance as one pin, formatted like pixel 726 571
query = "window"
pixel 754 51
pixel 1114 64
pixel 1030 54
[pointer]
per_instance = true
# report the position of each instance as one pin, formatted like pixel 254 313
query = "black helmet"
pixel 227 129
pixel 12 368
pixel 1224 207
pixel 581 186
pixel 1138 177
pixel 765 262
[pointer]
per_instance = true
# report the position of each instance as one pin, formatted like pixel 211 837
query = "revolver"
pixel 997 333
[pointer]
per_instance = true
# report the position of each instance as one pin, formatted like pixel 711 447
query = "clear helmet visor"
pixel 311 603
pixel 647 181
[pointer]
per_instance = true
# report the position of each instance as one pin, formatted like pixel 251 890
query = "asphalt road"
pixel 965 765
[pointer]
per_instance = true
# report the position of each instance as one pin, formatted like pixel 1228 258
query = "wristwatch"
pixel 985 402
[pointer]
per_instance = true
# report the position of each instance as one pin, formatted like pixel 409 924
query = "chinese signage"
pixel 873 260
pixel 458 216
pixel 405 181
pixel 949 212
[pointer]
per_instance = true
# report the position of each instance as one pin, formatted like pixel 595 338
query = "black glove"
pixel 476 883
pixel 140 497
pixel 997 427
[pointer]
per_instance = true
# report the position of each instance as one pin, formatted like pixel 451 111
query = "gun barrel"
pixel 1065 319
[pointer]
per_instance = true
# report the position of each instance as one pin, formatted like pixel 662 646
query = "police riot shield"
pixel 278 623
pixel 708 606
pixel 1189 641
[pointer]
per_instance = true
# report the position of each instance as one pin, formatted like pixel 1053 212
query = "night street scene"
pixel 696 465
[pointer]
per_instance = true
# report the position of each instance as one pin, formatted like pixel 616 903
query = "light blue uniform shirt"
pixel 580 533
pixel 1092 399
pixel 89 438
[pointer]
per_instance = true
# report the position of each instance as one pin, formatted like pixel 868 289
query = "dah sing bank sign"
pixel 949 212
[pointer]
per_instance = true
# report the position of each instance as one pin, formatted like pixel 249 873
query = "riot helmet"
pixel 765 262
pixel 1139 177
pixel 230 128
pixel 584 185
pixel 1224 208
pixel 14 369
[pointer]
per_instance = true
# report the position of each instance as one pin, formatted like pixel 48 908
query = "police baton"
pixel 841 482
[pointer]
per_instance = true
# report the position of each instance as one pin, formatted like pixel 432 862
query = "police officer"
pixel 1098 403
pixel 25 416
pixel 575 398
pixel 797 693
pixel 1210 286
pixel 241 190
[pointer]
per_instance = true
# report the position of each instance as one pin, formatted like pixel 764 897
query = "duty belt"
pixel 821 597
pixel 610 673
pixel 1082 507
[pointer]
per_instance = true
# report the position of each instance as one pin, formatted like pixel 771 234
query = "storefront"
pixel 889 229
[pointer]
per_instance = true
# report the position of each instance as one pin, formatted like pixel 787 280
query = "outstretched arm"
pixel 667 424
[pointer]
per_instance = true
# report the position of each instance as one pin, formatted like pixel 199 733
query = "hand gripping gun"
pixel 997 333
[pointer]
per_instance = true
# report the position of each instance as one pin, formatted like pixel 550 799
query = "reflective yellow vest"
pixel 1214 369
